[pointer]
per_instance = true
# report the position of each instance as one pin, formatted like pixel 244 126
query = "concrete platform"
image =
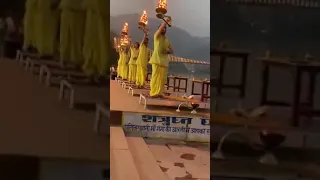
pixel 34 122
pixel 159 120
pixel 120 100
pixel 154 159
pixel 295 137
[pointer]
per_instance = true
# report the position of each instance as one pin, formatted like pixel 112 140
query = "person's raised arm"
pixel 158 32
pixel 131 44
pixel 145 36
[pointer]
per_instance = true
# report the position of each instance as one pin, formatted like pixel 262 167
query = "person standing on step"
pixel 120 62
pixel 142 62
pixel 134 52
pixel 125 60
pixel 159 61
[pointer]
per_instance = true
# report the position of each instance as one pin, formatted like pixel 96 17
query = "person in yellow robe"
pixel 72 31
pixel 125 60
pixel 120 62
pixel 142 62
pixel 159 61
pixel 134 52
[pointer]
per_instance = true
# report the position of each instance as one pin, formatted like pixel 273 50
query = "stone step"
pixel 121 160
pixel 145 162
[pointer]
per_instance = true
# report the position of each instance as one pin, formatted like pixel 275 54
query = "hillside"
pixel 183 43
pixel 181 40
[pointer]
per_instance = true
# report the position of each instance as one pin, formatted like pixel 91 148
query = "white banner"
pixel 171 127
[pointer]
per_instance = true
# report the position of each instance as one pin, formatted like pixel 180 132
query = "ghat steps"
pixel 153 159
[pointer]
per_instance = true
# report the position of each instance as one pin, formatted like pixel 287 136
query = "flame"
pixel 124 41
pixel 162 4
pixel 144 17
pixel 125 28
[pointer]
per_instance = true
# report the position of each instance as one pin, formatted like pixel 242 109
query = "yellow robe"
pixel 45 31
pixel 125 68
pixel 104 37
pixel 133 64
pixel 142 63
pixel 29 24
pixel 96 40
pixel 91 39
pixel 160 62
pixel 119 68
pixel 72 25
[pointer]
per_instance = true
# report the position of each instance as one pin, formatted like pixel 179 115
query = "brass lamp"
pixel 161 11
pixel 125 41
pixel 143 22
pixel 125 29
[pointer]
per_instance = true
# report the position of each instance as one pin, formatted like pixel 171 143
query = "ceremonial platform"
pixel 159 118
pixel 153 142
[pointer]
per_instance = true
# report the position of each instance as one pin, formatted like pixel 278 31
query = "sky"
pixel 190 15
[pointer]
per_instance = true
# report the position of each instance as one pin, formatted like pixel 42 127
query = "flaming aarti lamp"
pixel 161 11
pixel 125 41
pixel 144 22
pixel 125 29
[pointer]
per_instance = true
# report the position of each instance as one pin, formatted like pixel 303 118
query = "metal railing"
pixel 183 60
